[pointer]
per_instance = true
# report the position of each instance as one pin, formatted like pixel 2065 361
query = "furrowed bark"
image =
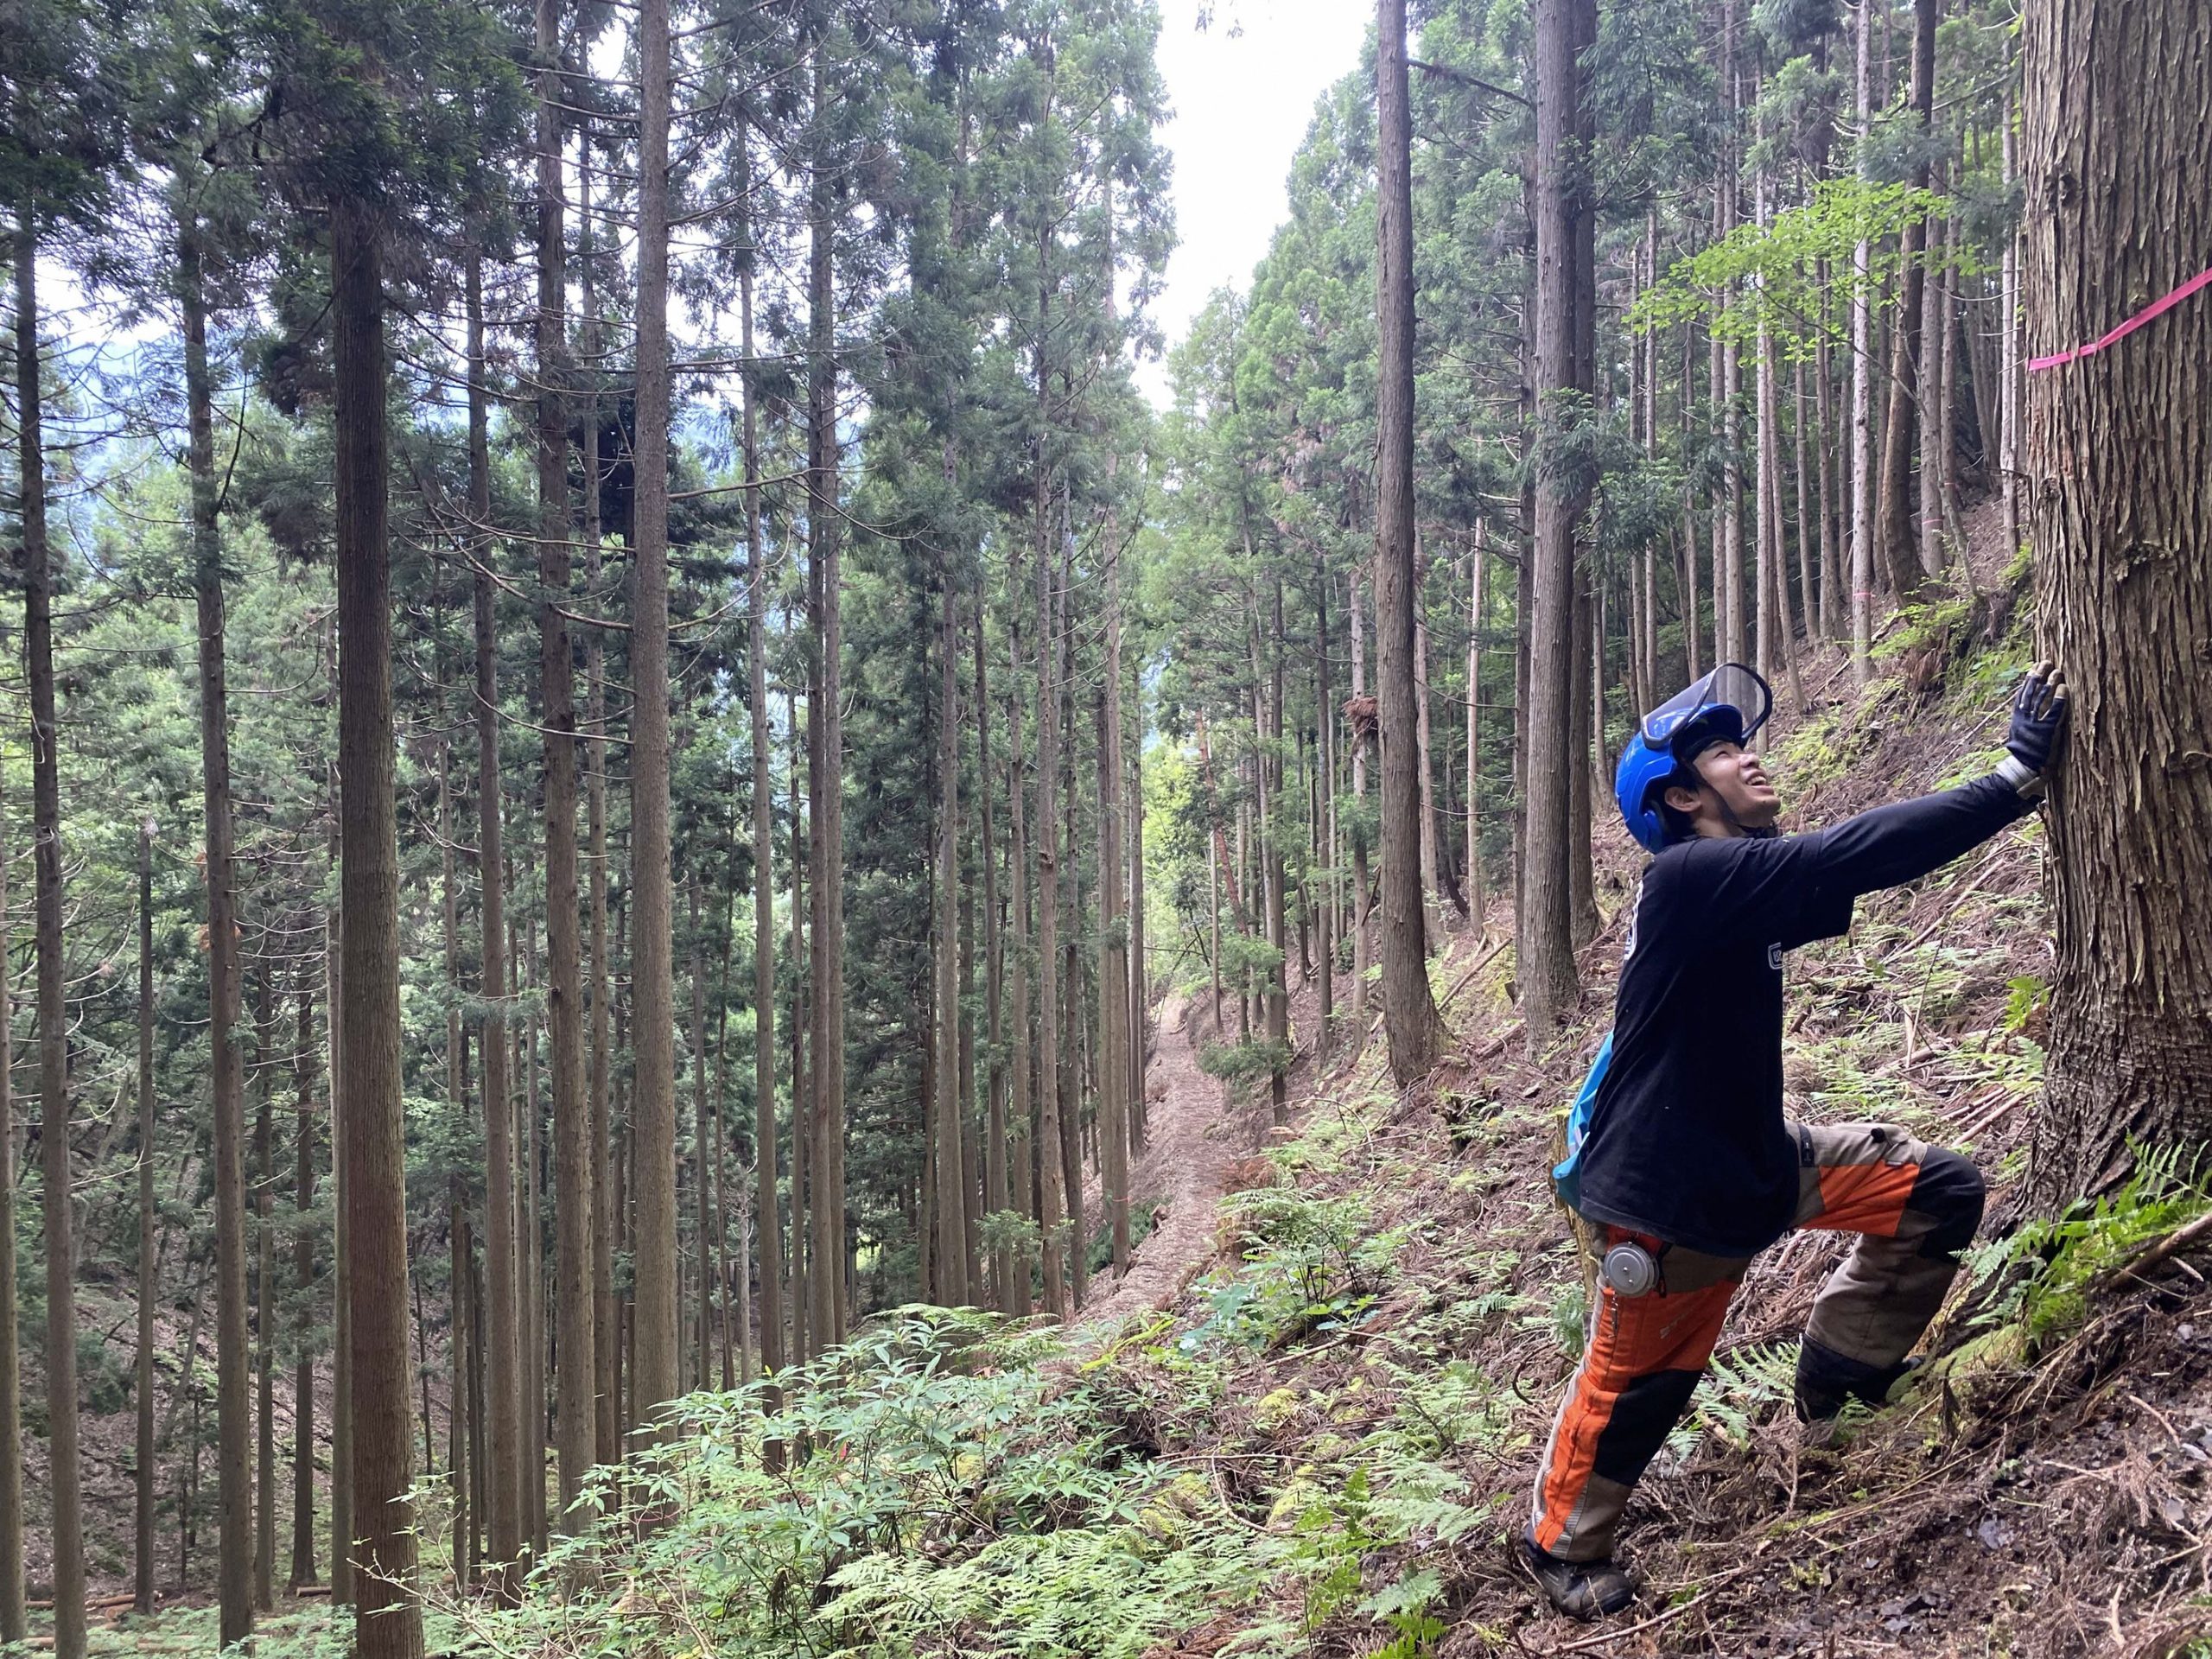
pixel 1899 532
pixel 653 1103
pixel 770 1222
pixel 950 1210
pixel 826 754
pixel 1548 972
pixel 2119 488
pixel 388 1624
pixel 234 1576
pixel 576 1413
pixel 1021 1170
pixel 1415 1033
pixel 606 1431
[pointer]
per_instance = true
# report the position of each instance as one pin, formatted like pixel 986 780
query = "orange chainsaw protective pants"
pixel 1915 1207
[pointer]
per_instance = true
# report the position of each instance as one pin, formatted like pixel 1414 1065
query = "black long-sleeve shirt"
pixel 1686 1140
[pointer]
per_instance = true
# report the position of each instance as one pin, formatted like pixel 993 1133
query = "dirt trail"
pixel 1194 1138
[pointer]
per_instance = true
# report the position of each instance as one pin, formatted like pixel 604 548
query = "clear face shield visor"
pixel 1731 688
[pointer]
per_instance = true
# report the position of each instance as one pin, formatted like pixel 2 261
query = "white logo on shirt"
pixel 1774 957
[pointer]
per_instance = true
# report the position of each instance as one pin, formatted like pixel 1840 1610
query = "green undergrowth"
pixel 958 1483
pixel 1335 1418
pixel 2045 1275
pixel 303 1629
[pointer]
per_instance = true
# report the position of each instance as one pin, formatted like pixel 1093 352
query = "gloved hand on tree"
pixel 2038 730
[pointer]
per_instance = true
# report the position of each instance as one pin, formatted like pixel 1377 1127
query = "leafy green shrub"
pixel 1144 1219
pixel 1925 624
pixel 1245 1062
pixel 1244 953
pixel 1745 1385
pixel 2048 1268
pixel 941 1494
pixel 2026 996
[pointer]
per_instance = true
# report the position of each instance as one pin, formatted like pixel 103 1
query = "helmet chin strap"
pixel 1737 827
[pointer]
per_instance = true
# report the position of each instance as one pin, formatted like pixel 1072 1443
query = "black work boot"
pixel 1583 1590
pixel 1826 1381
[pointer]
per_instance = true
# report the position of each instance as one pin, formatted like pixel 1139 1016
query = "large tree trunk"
pixel 234 1577
pixel 1862 392
pixel 803 1344
pixel 142 1596
pixel 727 1339
pixel 264 1302
pixel 1415 1033
pixel 994 1126
pixel 460 1367
pixel 1934 426
pixel 768 1220
pixel 972 1168
pixel 1548 983
pixel 1326 725
pixel 1476 590
pixel 1113 948
pixel 1275 875
pixel 502 1361
pixel 342 1270
pixel 65 1494
pixel 1899 533
pixel 575 1414
pixel 2009 396
pixel 1766 512
pixel 532 1260
pixel 652 1113
pixel 1582 744
pixel 948 1209
pixel 1054 1195
pixel 607 1431
pixel 1073 1028
pixel 1432 860
pixel 463 1438
pixel 1729 634
pixel 1358 712
pixel 1020 1176
pixel 1817 545
pixel 826 735
pixel 1777 623
pixel 12 1610
pixel 2120 465
pixel 303 1073
pixel 388 1624
pixel 702 1145
pixel 1140 977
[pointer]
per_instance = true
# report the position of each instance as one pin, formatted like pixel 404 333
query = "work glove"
pixel 2038 729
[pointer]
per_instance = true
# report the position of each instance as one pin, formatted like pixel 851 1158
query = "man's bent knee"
pixel 1948 1195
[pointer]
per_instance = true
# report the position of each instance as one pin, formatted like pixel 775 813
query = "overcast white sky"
pixel 1243 92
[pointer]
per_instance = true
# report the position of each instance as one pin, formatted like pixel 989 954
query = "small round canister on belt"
pixel 1629 1270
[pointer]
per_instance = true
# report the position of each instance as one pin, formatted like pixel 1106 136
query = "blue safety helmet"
pixel 1727 705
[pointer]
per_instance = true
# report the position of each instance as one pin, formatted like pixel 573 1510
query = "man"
pixel 1689 1168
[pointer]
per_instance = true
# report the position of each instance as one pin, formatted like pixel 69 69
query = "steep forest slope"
pixel 1307 1422
pixel 1317 1437
pixel 1365 1373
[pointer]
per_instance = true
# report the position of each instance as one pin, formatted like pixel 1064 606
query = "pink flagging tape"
pixel 2157 308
